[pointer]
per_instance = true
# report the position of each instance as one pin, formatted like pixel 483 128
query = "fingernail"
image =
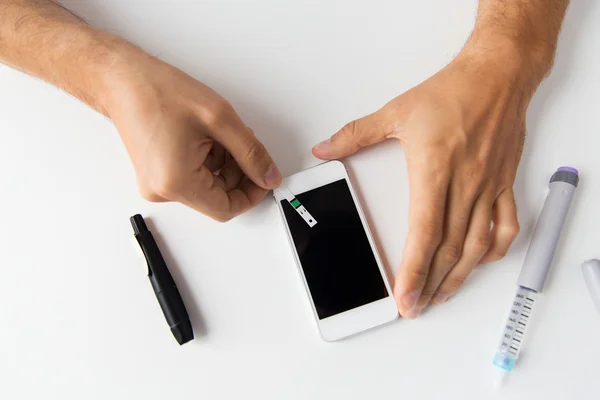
pixel 272 177
pixel 323 145
pixel 441 298
pixel 410 299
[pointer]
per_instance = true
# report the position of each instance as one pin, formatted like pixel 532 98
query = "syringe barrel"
pixel 547 231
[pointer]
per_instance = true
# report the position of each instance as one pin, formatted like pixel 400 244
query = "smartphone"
pixel 335 252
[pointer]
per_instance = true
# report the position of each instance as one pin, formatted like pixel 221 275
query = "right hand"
pixel 186 142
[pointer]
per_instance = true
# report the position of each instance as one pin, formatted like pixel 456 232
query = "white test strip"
pixel 300 209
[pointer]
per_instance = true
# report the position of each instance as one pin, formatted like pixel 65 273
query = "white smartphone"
pixel 335 252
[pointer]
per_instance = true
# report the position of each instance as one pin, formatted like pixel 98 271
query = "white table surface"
pixel 78 318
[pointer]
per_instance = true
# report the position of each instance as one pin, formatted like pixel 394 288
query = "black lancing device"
pixel 162 282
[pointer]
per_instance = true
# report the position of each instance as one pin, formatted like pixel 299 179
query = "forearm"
pixel 527 29
pixel 42 38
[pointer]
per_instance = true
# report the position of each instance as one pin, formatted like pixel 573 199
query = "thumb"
pixel 251 156
pixel 354 135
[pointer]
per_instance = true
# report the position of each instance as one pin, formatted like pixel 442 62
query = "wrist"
pixel 104 69
pixel 525 62
pixel 110 62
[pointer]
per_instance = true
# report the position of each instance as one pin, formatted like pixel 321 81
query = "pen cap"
pixel 138 224
pixel 548 228
pixel 591 275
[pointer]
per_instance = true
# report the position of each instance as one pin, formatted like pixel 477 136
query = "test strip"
pixel 300 209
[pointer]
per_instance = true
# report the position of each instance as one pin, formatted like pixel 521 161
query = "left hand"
pixel 463 131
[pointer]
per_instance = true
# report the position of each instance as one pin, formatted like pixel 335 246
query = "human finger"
pixel 477 242
pixel 249 153
pixel 215 158
pixel 459 208
pixel 428 189
pixel 356 134
pixel 204 194
pixel 506 226
pixel 230 175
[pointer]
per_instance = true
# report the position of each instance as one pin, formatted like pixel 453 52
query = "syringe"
pixel 536 265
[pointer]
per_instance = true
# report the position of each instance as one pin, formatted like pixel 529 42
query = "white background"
pixel 78 318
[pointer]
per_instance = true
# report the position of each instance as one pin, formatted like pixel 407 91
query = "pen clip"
pixel 140 253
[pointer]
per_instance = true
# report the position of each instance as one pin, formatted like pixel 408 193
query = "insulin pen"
pixel 536 265
pixel 162 282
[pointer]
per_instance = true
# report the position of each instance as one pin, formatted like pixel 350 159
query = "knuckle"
pixel 440 174
pixel 513 230
pixel 254 152
pixel 500 252
pixel 450 253
pixel 148 194
pixel 481 164
pixel 216 114
pixel 455 281
pixel 165 188
pixel 222 218
pixel 417 274
pixel 476 171
pixel 167 185
pixel 474 182
pixel 430 233
pixel 481 242
pixel 457 141
pixel 427 293
pixel 350 131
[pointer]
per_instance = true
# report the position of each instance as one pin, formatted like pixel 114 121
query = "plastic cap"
pixel 568 169
pixel 566 174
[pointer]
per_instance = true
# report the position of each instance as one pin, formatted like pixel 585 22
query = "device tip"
pixel 183 332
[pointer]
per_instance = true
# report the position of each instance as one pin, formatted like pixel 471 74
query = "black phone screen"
pixel 335 254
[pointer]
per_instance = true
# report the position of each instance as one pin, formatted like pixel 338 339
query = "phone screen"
pixel 335 254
